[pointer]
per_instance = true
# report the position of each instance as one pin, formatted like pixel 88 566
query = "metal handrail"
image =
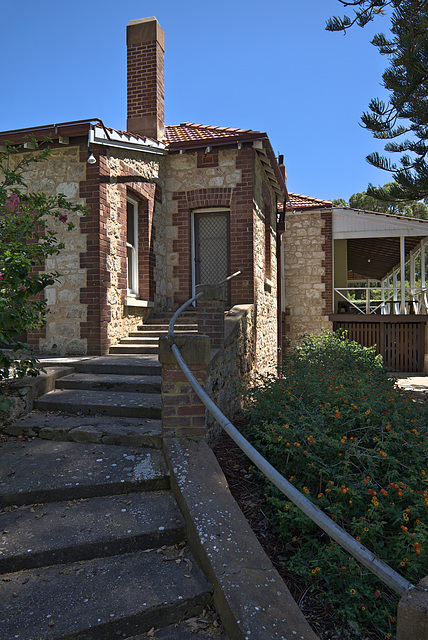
pixel 230 277
pixel 191 301
pixel 384 572
pixel 177 313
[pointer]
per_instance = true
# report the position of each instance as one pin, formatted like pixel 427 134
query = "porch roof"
pixel 374 239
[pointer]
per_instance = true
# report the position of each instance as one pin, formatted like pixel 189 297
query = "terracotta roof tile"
pixel 191 132
pixel 300 203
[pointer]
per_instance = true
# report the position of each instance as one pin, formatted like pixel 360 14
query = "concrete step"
pixel 178 327
pixel 137 338
pixel 42 471
pixel 138 365
pixel 133 349
pixel 149 332
pixel 59 532
pixel 113 430
pixel 101 599
pixel 92 381
pixel 112 403
pixel 185 316
pixel 190 629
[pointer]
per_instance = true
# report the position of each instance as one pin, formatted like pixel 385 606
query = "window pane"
pixel 130 223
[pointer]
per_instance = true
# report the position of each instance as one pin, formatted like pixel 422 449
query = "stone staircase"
pixel 146 339
pixel 92 541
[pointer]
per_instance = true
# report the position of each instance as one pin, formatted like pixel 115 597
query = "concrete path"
pixel 416 383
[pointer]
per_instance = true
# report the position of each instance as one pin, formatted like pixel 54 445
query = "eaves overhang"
pixel 92 128
pixel 217 141
pixel 356 223
pixel 74 128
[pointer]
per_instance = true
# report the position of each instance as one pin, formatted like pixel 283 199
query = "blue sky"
pixel 266 65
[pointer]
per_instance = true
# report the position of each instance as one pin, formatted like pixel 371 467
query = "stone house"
pixel 169 207
pixel 361 271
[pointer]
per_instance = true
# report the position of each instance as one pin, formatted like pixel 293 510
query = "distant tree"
pixel 403 121
pixel 364 11
pixel 367 202
pixel 339 202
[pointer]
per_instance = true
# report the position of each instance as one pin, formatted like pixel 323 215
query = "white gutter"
pixel 116 139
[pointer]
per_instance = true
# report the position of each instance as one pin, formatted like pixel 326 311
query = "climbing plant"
pixel 27 238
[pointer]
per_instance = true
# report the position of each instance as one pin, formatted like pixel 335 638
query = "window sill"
pixel 136 302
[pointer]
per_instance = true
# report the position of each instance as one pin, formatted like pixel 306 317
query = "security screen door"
pixel 211 250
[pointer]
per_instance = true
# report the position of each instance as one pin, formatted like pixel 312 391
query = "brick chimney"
pixel 146 102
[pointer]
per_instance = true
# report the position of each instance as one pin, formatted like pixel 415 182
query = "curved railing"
pixel 385 573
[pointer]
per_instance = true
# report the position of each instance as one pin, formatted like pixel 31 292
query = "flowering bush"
pixel 337 428
pixel 25 242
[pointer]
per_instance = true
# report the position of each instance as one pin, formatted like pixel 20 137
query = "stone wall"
pixel 307 273
pixel 88 307
pixel 22 392
pixel 232 367
pixel 62 172
pixel 232 180
pixel 265 275
pixel 132 174
pixel 193 181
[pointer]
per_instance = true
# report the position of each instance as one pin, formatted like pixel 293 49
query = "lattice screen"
pixel 212 247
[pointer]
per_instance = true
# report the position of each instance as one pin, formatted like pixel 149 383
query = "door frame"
pixel 193 213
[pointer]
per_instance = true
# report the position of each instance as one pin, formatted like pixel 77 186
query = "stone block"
pixel 212 292
pixel 68 295
pixel 195 349
pixel 69 189
pixel 412 618
pixel 76 347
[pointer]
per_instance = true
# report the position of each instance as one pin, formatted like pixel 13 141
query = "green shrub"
pixel 336 427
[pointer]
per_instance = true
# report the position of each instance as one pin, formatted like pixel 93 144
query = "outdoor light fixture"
pixel 91 159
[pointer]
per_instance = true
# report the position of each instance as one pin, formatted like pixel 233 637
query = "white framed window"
pixel 132 246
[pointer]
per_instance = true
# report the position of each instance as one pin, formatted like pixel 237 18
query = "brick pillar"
pixel 183 414
pixel 412 617
pixel 211 312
